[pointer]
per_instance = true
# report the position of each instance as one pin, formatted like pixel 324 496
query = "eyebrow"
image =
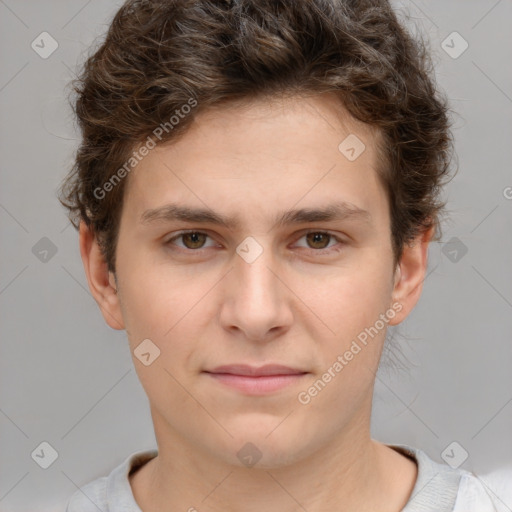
pixel 332 212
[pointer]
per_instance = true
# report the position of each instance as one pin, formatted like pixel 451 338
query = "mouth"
pixel 253 380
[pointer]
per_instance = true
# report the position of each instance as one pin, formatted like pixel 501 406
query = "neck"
pixel 353 473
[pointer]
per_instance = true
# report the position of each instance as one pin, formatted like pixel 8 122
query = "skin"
pixel 297 304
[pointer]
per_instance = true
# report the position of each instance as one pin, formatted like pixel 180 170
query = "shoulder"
pixel 441 488
pixel 472 495
pixel 110 493
pixel 90 497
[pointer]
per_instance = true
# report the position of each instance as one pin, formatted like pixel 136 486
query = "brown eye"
pixel 318 240
pixel 320 243
pixel 194 240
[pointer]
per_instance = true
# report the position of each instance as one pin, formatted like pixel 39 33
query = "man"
pixel 256 190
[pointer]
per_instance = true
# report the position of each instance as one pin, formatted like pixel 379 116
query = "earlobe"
pixel 410 274
pixel 101 282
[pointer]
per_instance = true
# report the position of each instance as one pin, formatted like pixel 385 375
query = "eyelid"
pixel 302 233
pixel 324 232
pixel 178 234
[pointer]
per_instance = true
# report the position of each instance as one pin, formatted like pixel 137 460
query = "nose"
pixel 256 302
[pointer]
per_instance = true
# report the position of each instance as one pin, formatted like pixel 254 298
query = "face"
pixel 258 242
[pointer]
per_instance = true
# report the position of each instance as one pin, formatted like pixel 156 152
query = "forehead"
pixel 260 157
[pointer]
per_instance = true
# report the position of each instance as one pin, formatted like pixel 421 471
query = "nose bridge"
pixel 256 282
pixel 256 301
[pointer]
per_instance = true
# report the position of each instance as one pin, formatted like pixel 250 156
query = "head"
pixel 312 138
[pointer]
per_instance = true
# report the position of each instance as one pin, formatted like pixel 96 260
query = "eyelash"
pixel 312 251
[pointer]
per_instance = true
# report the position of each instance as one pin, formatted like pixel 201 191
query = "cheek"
pixel 154 296
pixel 166 306
pixel 163 311
pixel 352 308
pixel 351 299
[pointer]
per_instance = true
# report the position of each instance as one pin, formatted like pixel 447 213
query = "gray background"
pixel 67 378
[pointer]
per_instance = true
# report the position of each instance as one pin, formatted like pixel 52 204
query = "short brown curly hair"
pixel 159 55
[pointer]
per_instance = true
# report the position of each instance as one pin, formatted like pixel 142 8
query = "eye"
pixel 193 240
pixel 319 241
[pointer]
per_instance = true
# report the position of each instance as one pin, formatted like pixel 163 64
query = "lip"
pixel 256 380
pixel 253 371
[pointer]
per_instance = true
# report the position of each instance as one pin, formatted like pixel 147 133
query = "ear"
pixel 101 281
pixel 410 274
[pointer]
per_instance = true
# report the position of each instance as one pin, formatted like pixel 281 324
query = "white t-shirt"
pixel 438 488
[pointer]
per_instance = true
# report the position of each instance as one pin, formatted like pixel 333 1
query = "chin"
pixel 265 449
